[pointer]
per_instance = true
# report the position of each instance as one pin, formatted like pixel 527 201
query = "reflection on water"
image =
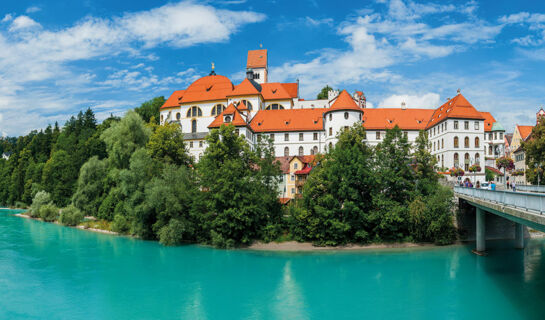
pixel 83 275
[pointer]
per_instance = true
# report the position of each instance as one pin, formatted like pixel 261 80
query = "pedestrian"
pixel 492 186
pixel 514 187
pixel 478 184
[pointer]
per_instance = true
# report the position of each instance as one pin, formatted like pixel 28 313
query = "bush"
pixel 120 224
pixel 49 212
pixel 175 232
pixel 20 205
pixel 40 199
pixel 70 216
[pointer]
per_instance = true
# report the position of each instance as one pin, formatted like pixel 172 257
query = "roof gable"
pixel 488 121
pixel 344 102
pixel 457 107
pixel 237 119
pixel 524 131
pixel 246 87
pixel 275 91
pixel 174 100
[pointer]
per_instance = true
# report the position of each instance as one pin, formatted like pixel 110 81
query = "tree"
pixel 124 137
pixel 166 144
pixel 534 149
pixel 236 199
pixel 59 177
pixel 424 165
pixel 149 110
pixel 90 191
pixel 324 93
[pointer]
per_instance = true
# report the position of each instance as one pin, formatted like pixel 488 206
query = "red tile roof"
pixel 284 163
pixel 291 88
pixel 284 200
pixel 275 91
pixel 237 119
pixel 525 131
pixel 344 102
pixel 458 108
pixel 174 100
pixel 488 121
pixel 309 159
pixel 257 59
pixel 306 170
pixel 387 118
pixel 288 120
pixel 246 88
pixel 209 88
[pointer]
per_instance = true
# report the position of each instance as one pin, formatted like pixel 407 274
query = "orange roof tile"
pixel 246 87
pixel 174 100
pixel 284 201
pixel 524 131
pixel 488 121
pixel 288 120
pixel 309 159
pixel 458 108
pixel 387 118
pixel 275 91
pixel 284 163
pixel 257 59
pixel 237 119
pixel 213 87
pixel 344 102
pixel 291 88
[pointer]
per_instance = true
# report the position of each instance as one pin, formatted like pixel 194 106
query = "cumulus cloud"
pixel 427 101
pixel 535 22
pixel 36 68
pixel 8 17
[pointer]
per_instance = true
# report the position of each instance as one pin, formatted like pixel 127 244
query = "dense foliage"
pixel 137 178
pixel 534 149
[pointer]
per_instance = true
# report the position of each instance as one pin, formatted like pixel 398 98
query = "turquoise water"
pixel 53 272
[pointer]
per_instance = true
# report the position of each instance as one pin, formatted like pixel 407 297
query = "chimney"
pixel 298 88
pixel 403 105
pixel 459 91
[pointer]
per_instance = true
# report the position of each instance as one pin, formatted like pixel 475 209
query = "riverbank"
pixel 80 226
pixel 294 246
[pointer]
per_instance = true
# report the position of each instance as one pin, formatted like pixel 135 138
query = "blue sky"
pixel 59 57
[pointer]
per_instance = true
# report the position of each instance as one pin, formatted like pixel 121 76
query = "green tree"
pixel 324 93
pixel 149 110
pixel 90 191
pixel 534 149
pixel 166 144
pixel 59 177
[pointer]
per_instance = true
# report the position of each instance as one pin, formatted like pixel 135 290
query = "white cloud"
pixel 535 22
pixel 23 23
pixel 8 17
pixel 428 101
pixel 33 9
pixel 316 22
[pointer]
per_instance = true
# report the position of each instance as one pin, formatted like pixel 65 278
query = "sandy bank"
pixel 97 230
pixel 307 246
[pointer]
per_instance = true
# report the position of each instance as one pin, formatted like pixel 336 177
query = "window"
pixel 301 151
pixel 495 136
pixel 490 150
pixel 456 142
pixel 315 136
pixel 477 142
pixel 178 116
pixel 466 142
pixel 330 146
pixel 286 137
pixel 466 125
pixel 434 146
pixel 314 150
pixel 445 126
pixel 330 131
pixel 292 190
pixel 476 125
pixel 442 143
pixel 477 158
pixel 292 178
pixel 227 119
pixel 162 118
pixel 456 125
pixel 466 162
pixel 456 160
pixel 272 136
pixel 490 136
pixel 194 126
pixel 300 137
pixel 200 144
pixel 259 138
pixel 433 130
pixel 191 144
pixel 194 112
pixel 237 132
pixel 295 166
pixel 501 135
pixel 442 161
pixel 247 104
pixel 330 117
pixel 217 109
pixel 286 151
pixel 274 106
pixel 405 134
pixel 346 115
pixel 378 135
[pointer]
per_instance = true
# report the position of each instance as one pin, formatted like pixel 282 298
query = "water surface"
pixel 53 272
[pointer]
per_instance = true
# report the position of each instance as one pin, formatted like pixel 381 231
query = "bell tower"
pixel 257 68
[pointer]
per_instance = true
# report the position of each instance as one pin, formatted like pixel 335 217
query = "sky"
pixel 58 57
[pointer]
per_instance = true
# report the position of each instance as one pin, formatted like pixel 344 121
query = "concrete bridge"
pixel 522 208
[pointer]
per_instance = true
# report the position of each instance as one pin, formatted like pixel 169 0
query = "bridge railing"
pixel 520 200
pixel 531 188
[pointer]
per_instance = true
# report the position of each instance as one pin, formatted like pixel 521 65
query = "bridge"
pixel 523 208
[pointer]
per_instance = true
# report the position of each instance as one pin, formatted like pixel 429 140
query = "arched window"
pixel 466 162
pixel 477 158
pixel 330 146
pixel 194 126
pixel 490 150
pixel 466 142
pixel 456 160
pixel 476 142
pixel 314 150
pixel 217 109
pixel 442 161
pixel 301 151
pixel 346 115
pixel 194 112
pixel 162 118
pixel 247 104
pixel 286 151
pixel 178 116
pixel 442 143
pixel 330 117
pixel 274 106
pixel 456 142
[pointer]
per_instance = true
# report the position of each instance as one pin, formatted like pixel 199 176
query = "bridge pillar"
pixel 519 236
pixel 481 230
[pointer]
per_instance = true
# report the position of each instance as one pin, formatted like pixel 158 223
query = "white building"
pixel 300 127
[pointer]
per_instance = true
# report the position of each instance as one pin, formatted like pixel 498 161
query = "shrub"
pixel 41 198
pixel 120 224
pixel 71 216
pixel 175 232
pixel 49 212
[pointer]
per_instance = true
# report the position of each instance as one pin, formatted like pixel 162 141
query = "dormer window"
pixel 227 118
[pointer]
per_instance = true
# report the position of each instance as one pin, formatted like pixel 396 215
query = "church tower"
pixel 257 68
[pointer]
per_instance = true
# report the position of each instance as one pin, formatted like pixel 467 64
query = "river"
pixel 52 272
